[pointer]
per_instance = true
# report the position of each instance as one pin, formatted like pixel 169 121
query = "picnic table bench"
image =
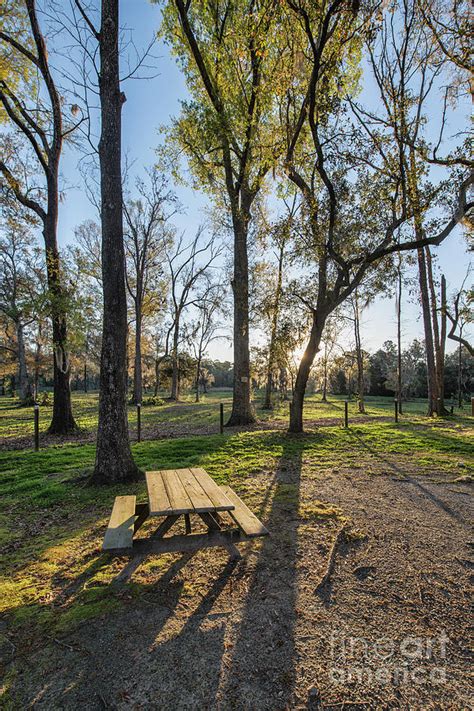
pixel 176 493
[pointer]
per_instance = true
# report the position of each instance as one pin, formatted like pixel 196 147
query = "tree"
pixel 20 297
pixel 189 267
pixel 234 69
pixel 350 232
pixel 145 244
pixel 206 329
pixel 114 461
pixel 37 116
pixel 270 292
pixel 460 315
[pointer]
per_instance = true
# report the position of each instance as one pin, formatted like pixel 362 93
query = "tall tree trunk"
pixel 297 404
pixel 267 403
pixel 114 460
pixel 137 367
pixel 62 421
pixel 439 333
pixel 399 333
pixel 24 385
pixel 359 357
pixel 429 346
pixel 242 410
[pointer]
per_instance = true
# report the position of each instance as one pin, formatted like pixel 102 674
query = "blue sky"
pixel 151 103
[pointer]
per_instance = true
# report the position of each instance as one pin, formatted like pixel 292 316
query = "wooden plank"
pixel 213 491
pixel 142 511
pixel 243 517
pixel 179 500
pixel 199 499
pixel 158 496
pixel 120 531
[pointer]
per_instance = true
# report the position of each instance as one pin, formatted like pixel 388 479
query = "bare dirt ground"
pixel 390 628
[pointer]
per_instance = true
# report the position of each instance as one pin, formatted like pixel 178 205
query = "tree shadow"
pixel 404 477
pixel 263 659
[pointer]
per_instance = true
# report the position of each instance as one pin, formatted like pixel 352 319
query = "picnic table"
pixel 177 493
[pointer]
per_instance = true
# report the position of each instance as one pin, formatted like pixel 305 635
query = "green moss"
pixel 319 510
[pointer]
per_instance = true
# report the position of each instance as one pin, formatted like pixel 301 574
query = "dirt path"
pixel 260 634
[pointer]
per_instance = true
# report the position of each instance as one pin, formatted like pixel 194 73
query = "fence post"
pixel 221 418
pixel 36 410
pixel 139 422
pixel 346 414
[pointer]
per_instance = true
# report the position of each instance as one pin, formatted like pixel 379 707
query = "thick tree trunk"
pixel 296 406
pixel 242 409
pixel 267 403
pixel 137 367
pixel 114 460
pixel 24 385
pixel 62 421
pixel 85 377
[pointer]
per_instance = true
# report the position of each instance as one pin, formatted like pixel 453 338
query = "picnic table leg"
pixel 187 523
pixel 213 523
pixel 142 512
pixel 130 568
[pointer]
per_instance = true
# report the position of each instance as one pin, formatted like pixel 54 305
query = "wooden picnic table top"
pixel 184 491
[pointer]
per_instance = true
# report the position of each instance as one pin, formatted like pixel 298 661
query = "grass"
pixel 16 421
pixel 52 523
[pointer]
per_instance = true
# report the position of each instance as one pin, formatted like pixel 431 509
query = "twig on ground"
pixel 340 536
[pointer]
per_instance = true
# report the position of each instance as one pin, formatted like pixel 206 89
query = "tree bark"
pixel 114 462
pixel 296 405
pixel 242 409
